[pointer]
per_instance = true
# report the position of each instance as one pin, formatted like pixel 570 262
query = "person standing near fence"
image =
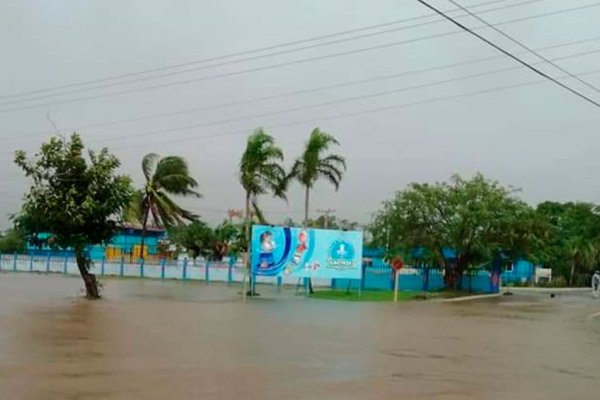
pixel 596 284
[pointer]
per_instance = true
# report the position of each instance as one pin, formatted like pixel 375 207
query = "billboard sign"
pixel 306 253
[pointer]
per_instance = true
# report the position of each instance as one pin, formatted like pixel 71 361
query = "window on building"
pixel 509 267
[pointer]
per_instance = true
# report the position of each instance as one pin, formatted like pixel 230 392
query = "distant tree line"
pixel 79 198
pixel 478 219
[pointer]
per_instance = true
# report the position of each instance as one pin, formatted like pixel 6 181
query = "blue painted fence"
pixel 226 271
pixel 378 277
pixel 412 279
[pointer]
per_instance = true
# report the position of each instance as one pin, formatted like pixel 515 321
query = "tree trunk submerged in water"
pixel 91 284
pixel 144 227
pixel 453 276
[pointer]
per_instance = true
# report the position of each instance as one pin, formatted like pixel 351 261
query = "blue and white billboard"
pixel 306 253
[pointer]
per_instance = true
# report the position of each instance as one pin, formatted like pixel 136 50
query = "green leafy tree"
pixel 581 255
pixel 197 238
pixel 77 199
pixel 260 173
pixel 477 218
pixel 229 238
pixel 165 177
pixel 572 245
pixel 13 241
pixel 316 163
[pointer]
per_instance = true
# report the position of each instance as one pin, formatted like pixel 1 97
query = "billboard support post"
pixel 396 279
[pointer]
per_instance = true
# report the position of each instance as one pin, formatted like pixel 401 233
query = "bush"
pixel 557 282
pixel 12 242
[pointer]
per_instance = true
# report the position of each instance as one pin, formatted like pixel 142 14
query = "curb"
pixel 591 317
pixel 544 290
pixel 469 298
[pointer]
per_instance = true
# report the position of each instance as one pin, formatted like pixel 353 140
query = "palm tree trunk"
pixel 248 224
pixel 572 275
pixel 306 203
pixel 144 225
pixel 306 200
pixel 247 219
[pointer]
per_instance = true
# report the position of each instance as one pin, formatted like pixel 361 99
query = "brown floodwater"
pixel 172 340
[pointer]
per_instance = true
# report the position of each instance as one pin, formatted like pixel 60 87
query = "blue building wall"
pixel 378 275
pixel 121 245
pixel 477 282
pixel 522 271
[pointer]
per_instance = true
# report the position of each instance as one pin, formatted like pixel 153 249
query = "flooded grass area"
pixel 179 340
pixel 365 295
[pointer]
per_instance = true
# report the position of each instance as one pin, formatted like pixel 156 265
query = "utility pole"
pixel 326 213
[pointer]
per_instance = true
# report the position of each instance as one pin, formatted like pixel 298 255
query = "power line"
pixel 298 92
pixel 352 114
pixel 262 49
pixel 258 57
pixel 289 63
pixel 327 103
pixel 335 116
pixel 364 112
pixel 522 45
pixel 537 71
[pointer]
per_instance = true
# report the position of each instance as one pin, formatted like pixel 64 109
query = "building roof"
pixel 138 227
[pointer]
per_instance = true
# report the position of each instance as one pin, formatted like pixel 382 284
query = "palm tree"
pixel 315 163
pixel 581 253
pixel 260 173
pixel 133 213
pixel 165 177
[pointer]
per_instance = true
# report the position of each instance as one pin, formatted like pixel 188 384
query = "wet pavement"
pixel 174 340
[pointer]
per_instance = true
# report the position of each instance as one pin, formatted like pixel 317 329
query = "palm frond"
pixel 315 163
pixel 148 165
pixel 170 213
pixel 260 170
pixel 179 184
pixel 335 159
pixel 170 165
pixel 134 212
pixel 330 169
pixel 166 176
pixel 331 177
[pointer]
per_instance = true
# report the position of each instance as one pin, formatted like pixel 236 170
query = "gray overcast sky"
pixel 540 137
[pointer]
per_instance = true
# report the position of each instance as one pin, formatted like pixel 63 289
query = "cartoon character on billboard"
pixel 301 248
pixel 267 245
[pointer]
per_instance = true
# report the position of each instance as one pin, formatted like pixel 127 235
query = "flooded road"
pixel 172 340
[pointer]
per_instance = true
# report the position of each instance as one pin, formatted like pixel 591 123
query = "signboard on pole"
pixel 306 253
